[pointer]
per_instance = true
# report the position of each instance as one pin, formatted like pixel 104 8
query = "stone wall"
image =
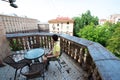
pixel 4 48
pixel 15 24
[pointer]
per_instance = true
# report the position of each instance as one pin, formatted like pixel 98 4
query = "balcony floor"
pixel 70 71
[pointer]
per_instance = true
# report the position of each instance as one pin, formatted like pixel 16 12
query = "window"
pixel 118 20
pixel 67 27
pixel 61 25
pixel 53 26
pixel 57 24
pixel 67 22
pixel 67 32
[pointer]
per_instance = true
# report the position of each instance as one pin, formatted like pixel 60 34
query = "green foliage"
pixel 84 20
pixel 15 47
pixel 76 25
pixel 87 32
pixel 108 34
pixel 95 33
pixel 113 44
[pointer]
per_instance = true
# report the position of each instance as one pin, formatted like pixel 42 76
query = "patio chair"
pixel 16 65
pixel 35 70
pixel 56 59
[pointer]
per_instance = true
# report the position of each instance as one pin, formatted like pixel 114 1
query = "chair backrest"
pixel 17 65
pixel 9 60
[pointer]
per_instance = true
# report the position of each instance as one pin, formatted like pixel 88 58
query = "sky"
pixel 44 10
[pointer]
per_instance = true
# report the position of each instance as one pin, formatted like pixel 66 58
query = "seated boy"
pixel 54 53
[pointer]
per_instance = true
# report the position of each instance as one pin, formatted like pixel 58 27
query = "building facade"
pixel 112 18
pixel 17 24
pixel 62 25
pixel 102 21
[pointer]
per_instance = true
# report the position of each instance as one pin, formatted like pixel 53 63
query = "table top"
pixel 34 53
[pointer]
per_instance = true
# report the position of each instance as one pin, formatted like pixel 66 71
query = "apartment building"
pixel 62 25
pixel 102 21
pixel 114 18
pixel 14 24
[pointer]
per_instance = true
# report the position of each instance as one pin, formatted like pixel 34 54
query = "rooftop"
pixel 61 19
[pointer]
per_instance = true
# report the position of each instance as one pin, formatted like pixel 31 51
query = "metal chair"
pixel 35 70
pixel 56 59
pixel 16 65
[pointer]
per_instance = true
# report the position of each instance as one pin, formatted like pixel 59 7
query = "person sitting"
pixel 54 53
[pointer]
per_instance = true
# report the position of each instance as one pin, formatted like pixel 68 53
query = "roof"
pixel 61 20
pixel 102 20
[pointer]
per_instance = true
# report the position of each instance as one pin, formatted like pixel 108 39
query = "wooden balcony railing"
pixel 98 62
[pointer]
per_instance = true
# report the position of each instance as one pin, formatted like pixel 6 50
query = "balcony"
pixel 81 59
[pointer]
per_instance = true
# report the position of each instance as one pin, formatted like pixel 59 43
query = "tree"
pixel 95 33
pixel 113 44
pixel 76 25
pixel 87 32
pixel 84 20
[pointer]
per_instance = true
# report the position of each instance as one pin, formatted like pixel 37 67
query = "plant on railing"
pixel 15 46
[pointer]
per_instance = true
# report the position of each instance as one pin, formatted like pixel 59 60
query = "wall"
pixel 4 48
pixel 15 24
pixel 62 28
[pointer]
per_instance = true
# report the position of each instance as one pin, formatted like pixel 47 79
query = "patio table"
pixel 35 69
pixel 34 54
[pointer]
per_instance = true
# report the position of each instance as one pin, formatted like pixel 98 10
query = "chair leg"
pixel 15 74
pixel 44 72
pixel 60 66
pixel 43 77
pixel 59 63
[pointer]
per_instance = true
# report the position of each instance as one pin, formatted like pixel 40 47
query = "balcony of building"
pixel 81 59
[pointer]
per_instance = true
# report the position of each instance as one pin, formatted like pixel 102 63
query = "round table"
pixel 34 53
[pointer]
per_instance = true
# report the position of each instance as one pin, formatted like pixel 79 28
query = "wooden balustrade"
pixel 29 41
pixel 98 62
